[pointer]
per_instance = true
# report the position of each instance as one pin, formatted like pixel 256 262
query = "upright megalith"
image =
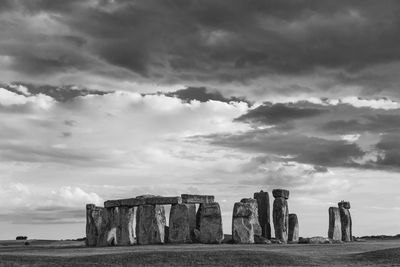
pixel 280 214
pixel 245 224
pixel 264 212
pixel 150 224
pixel 94 218
pixel 335 225
pixel 345 219
pixel 293 228
pixel 209 223
pixel 126 229
pixel 182 221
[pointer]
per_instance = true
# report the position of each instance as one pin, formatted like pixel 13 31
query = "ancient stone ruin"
pixel 293 228
pixel 245 224
pixel 113 225
pixel 340 224
pixel 264 213
pixel 280 214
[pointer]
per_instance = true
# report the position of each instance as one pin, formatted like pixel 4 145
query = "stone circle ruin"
pixel 142 221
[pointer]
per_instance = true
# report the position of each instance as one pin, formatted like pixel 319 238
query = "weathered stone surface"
pixel 264 212
pixel 192 221
pixel 109 225
pixel 150 224
pixel 335 225
pixel 143 200
pixel 293 228
pixel 280 216
pixel 314 240
pixel 346 224
pixel 261 240
pixel 179 224
pixel 196 199
pixel 344 204
pixel 126 231
pixel 93 224
pixel 280 193
pixel 245 224
pixel 210 223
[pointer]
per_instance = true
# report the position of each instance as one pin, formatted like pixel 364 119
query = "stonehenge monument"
pixel 293 228
pixel 280 214
pixel 340 224
pixel 245 224
pixel 263 212
pixel 114 224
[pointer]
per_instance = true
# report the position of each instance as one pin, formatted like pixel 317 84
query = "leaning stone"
pixel 335 225
pixel 346 224
pixel 264 212
pixel 344 204
pixel 196 199
pixel 150 224
pixel 293 236
pixel 280 193
pixel 179 226
pixel 210 223
pixel 280 216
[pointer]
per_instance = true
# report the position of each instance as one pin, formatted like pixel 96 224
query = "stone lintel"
pixel 197 199
pixel 132 202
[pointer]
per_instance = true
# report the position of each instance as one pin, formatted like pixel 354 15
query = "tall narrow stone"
pixel 280 214
pixel 210 223
pixel 335 225
pixel 293 228
pixel 346 224
pixel 126 231
pixel 264 213
pixel 110 225
pixel 150 224
pixel 94 217
pixel 181 225
pixel 245 224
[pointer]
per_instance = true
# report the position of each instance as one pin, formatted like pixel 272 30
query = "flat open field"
pixel 73 253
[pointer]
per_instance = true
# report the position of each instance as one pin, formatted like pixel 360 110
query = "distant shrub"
pixel 27 243
pixel 21 237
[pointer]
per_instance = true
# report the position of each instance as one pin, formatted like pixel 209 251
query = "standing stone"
pixel 180 224
pixel 108 235
pixel 335 225
pixel 150 224
pixel 94 217
pixel 344 204
pixel 245 224
pixel 293 228
pixel 264 213
pixel 126 231
pixel 210 223
pixel 280 214
pixel 345 220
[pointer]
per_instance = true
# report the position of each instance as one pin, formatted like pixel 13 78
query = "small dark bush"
pixel 20 237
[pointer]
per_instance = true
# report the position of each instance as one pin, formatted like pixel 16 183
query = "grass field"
pixel 73 253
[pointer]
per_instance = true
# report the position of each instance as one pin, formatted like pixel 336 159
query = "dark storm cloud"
pixel 202 94
pixel 269 113
pixel 304 149
pixel 222 40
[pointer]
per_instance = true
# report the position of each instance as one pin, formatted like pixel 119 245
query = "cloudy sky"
pixel 104 99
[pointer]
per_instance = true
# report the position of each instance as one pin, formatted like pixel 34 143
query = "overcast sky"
pixel 104 99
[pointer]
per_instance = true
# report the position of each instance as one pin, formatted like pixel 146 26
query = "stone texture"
pixel 179 224
pixel 150 224
pixel 280 193
pixel 335 225
pixel 346 224
pixel 143 200
pixel 293 228
pixel 94 217
pixel 108 235
pixel 280 216
pixel 126 231
pixel 264 213
pixel 196 199
pixel 210 223
pixel 315 240
pixel 245 223
pixel 344 204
